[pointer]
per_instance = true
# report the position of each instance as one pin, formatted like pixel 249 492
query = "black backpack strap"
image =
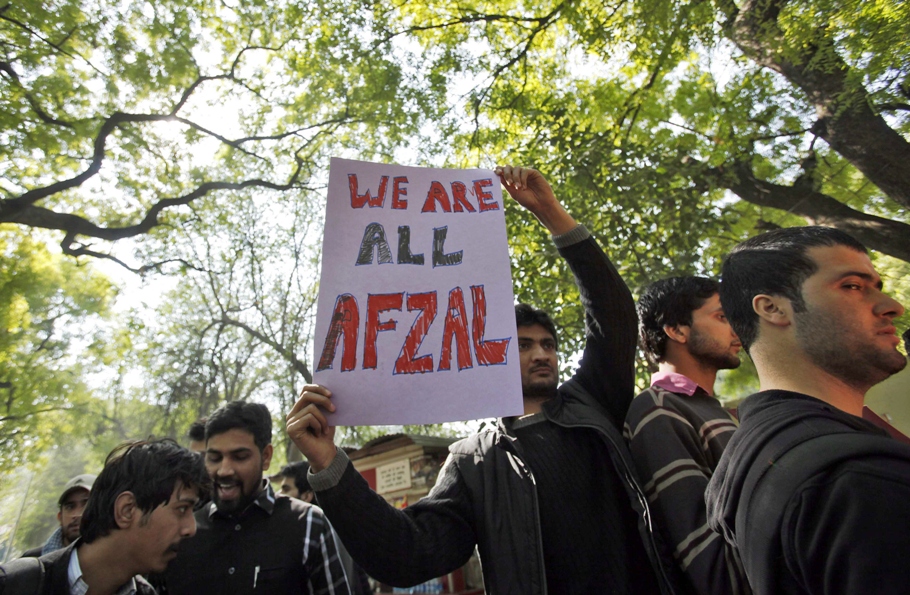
pixel 24 576
pixel 767 494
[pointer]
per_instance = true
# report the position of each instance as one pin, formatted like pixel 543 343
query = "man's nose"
pixel 224 469
pixel 538 353
pixel 890 307
pixel 189 529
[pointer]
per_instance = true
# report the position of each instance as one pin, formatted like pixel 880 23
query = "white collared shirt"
pixel 80 587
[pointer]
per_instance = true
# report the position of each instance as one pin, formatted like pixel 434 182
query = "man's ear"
pixel 267 456
pixel 773 309
pixel 125 510
pixel 59 515
pixel 679 333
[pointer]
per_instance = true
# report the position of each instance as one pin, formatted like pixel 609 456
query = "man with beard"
pixel 677 430
pixel 814 497
pixel 139 512
pixel 72 503
pixel 549 499
pixel 248 540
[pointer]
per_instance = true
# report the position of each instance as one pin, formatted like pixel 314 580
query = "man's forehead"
pixel 711 304
pixel 184 493
pixel 833 262
pixel 76 495
pixel 534 331
pixel 234 439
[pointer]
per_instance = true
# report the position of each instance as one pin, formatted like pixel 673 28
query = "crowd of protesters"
pixel 592 490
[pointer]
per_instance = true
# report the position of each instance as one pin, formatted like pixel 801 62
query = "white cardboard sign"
pixel 415 320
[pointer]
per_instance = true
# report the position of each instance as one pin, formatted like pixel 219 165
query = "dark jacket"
pixel 485 495
pixel 275 545
pixel 49 571
pixel 814 498
pixel 35 552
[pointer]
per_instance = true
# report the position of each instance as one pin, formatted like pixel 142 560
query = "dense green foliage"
pixel 675 129
pixel 48 306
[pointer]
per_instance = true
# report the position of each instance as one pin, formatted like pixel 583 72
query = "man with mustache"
pixel 139 512
pixel 677 430
pixel 71 502
pixel 249 541
pixel 813 496
pixel 549 499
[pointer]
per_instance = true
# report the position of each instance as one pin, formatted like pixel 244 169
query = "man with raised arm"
pixel 812 495
pixel 677 429
pixel 549 499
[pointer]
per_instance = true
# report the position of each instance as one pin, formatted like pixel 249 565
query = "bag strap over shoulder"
pixel 24 576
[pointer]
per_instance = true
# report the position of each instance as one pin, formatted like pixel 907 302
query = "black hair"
pixel 197 430
pixel 150 470
pixel 669 302
pixel 252 417
pixel 526 315
pixel 297 471
pixel 773 263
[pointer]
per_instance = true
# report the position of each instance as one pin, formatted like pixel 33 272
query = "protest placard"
pixel 415 320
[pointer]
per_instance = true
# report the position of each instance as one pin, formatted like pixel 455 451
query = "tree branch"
pixel 75 225
pixel 299 366
pixel 22 416
pixel 884 235
pixel 846 120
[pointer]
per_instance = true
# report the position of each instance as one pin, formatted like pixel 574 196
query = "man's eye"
pixel 524 346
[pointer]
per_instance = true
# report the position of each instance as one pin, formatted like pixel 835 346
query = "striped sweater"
pixel 676 441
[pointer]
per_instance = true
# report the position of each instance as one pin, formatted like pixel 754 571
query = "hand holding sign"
pixel 309 429
pixel 529 189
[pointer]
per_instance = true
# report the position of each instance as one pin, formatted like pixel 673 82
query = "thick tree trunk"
pixel 846 120
pixel 884 235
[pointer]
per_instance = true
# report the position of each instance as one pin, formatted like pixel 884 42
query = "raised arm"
pixel 607 369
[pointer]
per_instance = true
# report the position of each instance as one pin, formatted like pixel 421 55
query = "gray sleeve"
pixel 331 475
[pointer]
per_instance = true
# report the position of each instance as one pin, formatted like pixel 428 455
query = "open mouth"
pixel 228 491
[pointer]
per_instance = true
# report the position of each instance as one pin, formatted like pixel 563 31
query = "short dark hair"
pixel 773 263
pixel 669 302
pixel 252 417
pixel 150 470
pixel 297 471
pixel 526 315
pixel 197 430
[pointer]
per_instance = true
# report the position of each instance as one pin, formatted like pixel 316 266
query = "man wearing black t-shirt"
pixel 814 496
pixel 549 499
